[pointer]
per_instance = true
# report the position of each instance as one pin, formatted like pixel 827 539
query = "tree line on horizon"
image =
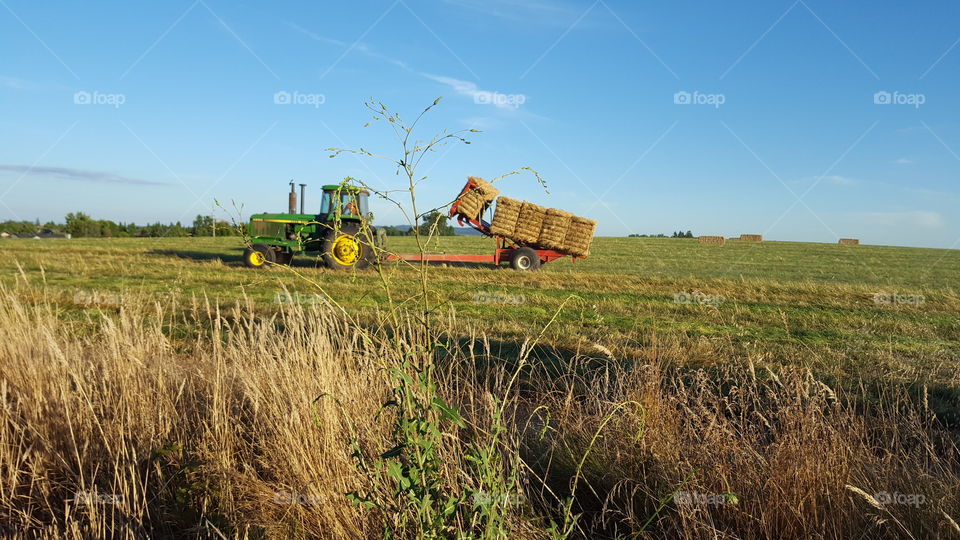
pixel 81 225
pixel 676 234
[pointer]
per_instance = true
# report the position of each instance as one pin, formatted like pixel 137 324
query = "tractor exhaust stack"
pixel 292 199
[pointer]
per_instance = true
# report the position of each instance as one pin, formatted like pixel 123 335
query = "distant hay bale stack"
pixel 529 223
pixel 554 229
pixel 474 201
pixel 849 241
pixel 751 237
pixel 718 240
pixel 579 236
pixel 505 217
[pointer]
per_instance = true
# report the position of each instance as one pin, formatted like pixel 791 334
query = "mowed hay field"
pixel 664 389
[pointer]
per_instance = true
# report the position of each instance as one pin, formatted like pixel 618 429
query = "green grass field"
pixel 808 304
pixel 798 379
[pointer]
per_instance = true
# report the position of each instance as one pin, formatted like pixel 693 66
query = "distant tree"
pixel 17 227
pixel 390 230
pixel 688 235
pixel 442 227
pixel 80 225
pixel 203 226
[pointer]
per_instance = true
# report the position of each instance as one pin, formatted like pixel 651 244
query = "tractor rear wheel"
pixel 347 247
pixel 284 257
pixel 525 259
pixel 258 255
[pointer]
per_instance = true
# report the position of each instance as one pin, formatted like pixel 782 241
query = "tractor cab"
pixel 346 203
pixel 339 233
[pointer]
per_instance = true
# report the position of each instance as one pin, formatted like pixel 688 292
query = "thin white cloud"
pixel 540 12
pixel 925 219
pixel 360 46
pixel 831 179
pixel 468 89
pixel 317 37
pixel 478 95
pixel 15 83
pixel 66 173
pixel 839 180
pixel 902 161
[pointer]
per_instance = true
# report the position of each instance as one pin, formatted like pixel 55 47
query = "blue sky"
pixel 723 118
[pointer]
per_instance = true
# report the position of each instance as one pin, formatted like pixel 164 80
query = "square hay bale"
pixel 505 217
pixel 751 237
pixel 579 236
pixel 849 241
pixel 484 188
pixel 717 240
pixel 554 229
pixel 474 201
pixel 471 204
pixel 529 223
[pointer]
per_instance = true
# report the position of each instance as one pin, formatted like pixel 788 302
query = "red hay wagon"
pixel 521 256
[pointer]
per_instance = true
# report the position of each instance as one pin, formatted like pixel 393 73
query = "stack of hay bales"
pixel 751 237
pixel 719 240
pixel 849 241
pixel 547 228
pixel 553 232
pixel 579 236
pixel 474 201
pixel 506 216
pixel 529 223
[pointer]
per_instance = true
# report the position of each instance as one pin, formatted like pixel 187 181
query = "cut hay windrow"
pixel 554 230
pixel 751 237
pixel 579 236
pixel 849 241
pixel 529 223
pixel 718 240
pixel 505 217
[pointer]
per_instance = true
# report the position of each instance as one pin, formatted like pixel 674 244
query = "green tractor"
pixel 340 233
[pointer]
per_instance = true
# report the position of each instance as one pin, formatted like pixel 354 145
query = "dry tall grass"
pixel 180 418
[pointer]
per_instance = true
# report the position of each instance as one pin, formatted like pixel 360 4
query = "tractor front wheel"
pixel 258 255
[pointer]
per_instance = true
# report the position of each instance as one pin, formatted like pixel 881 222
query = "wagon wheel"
pixel 525 259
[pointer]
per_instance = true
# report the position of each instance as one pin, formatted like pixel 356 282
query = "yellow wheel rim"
pixel 257 258
pixel 346 250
